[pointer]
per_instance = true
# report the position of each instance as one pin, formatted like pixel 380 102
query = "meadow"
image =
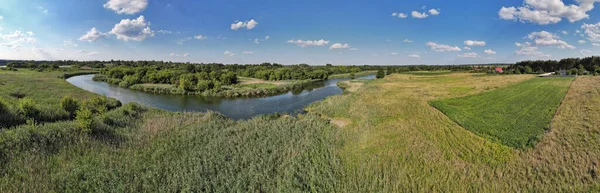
pixel 380 136
pixel 516 116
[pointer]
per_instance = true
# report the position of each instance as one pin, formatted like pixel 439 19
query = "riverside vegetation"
pixel 381 136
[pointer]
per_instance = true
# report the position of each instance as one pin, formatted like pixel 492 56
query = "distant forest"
pixel 572 66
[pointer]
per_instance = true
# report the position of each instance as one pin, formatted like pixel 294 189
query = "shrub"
pixel 70 105
pixel 85 120
pixel 124 84
pixel 380 74
pixel 28 107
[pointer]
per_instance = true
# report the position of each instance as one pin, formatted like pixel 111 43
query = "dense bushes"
pixel 380 74
pixel 573 66
pixel 27 109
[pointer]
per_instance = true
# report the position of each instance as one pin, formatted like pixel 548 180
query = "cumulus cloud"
pixel 353 49
pixel 474 43
pixel 595 44
pixel 259 40
pixel 92 35
pixel 581 41
pixel 490 52
pixel 585 52
pixel 414 55
pixel 244 24
pixel 126 6
pixel 186 54
pixel 308 43
pixel 407 41
pixel 17 38
pixel 399 15
pixel 544 38
pixel 434 12
pixel 394 53
pixel 442 48
pixel 467 48
pixel 547 11
pixel 200 37
pixel 419 15
pixel 132 29
pixel 339 46
pixel 469 55
pixel 228 53
pixel 69 43
pixel 564 32
pixel 162 31
pixel 592 31
pixel 526 49
pixel 1 18
pixel 248 52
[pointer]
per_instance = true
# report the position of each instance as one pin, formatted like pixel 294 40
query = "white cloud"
pixel 394 54
pixel 490 52
pixel 442 48
pixel 164 31
pixel 585 52
pixel 592 31
pixel 434 12
pixel 248 52
pixel 581 41
pixel 132 29
pixel 544 38
pixel 595 44
pixel 267 37
pixel 246 24
pixel 307 43
pixel 564 32
pixel 186 54
pixel 93 53
pixel 469 55
pixel 547 11
pixel 126 6
pixel 92 35
pixel 172 54
pixel 526 49
pixel 1 18
pixel 353 49
pixel 183 40
pixel 416 14
pixel 407 41
pixel 228 53
pixel 69 43
pixel 414 55
pixel 339 46
pixel 400 15
pixel 45 11
pixel 474 43
pixel 258 40
pixel 17 38
pixel 200 37
pixel 467 48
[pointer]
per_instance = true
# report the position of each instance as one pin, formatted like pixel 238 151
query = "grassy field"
pixel 388 139
pixel 516 116
pixel 394 141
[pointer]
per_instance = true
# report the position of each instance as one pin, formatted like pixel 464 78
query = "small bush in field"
pixel 70 105
pixel 85 119
pixel 28 107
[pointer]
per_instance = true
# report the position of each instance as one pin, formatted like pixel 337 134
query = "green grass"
pixel 256 86
pixel 356 75
pixel 428 73
pixel 516 116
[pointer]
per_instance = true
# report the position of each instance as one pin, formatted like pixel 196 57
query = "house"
pixel 499 70
pixel 562 72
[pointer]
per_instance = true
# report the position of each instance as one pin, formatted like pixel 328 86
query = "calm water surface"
pixel 237 108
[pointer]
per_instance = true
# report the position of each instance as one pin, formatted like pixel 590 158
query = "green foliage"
pixel 28 107
pixel 515 116
pixel 85 120
pixel 70 105
pixel 380 74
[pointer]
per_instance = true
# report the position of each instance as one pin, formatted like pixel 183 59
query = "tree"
pixel 70 105
pixel 380 74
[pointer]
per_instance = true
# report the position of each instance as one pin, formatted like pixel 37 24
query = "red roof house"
pixel 499 70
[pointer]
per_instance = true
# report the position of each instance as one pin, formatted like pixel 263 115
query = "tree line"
pixel 572 66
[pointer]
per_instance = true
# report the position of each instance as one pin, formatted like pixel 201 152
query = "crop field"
pixel 516 116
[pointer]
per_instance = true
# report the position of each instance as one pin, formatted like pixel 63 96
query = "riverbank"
pixel 262 89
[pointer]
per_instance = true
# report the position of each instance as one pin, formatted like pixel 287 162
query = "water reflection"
pixel 237 108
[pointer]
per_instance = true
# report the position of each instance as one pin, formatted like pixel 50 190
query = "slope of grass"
pixel 516 116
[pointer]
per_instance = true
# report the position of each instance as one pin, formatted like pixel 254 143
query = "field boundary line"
pixel 560 105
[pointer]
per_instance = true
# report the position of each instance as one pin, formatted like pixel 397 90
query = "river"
pixel 236 108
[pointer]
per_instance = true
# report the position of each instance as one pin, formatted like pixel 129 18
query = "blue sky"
pixel 291 32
